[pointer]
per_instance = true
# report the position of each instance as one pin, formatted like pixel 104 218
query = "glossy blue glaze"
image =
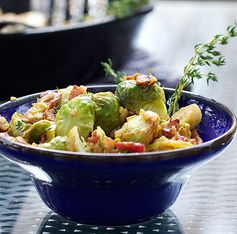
pixel 118 189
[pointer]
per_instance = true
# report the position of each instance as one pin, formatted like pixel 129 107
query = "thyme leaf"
pixel 109 71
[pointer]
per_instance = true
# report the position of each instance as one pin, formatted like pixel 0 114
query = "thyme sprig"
pixel 109 71
pixel 204 54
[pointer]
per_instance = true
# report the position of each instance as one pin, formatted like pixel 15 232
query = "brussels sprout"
pixel 36 131
pixel 57 143
pixel 136 97
pixel 107 111
pixel 190 114
pixel 17 125
pixel 80 112
pixel 141 128
pixel 74 142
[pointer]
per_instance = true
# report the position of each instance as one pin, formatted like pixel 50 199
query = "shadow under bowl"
pixel 167 222
pixel 116 189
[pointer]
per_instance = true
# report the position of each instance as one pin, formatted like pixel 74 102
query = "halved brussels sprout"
pixel 107 111
pixel 17 126
pixel 37 130
pixel 57 143
pixel 80 112
pixel 141 128
pixel 190 114
pixel 136 97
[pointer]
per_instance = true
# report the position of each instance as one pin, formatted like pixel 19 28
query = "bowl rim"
pixel 80 25
pixel 159 155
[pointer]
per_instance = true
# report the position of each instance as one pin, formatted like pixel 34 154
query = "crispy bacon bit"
pixel 94 138
pixel 142 80
pixel 133 77
pixel 43 139
pixel 145 80
pixel 49 115
pixel 77 91
pixel 51 98
pixel 170 129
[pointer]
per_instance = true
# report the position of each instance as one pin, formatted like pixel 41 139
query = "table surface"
pixel 208 202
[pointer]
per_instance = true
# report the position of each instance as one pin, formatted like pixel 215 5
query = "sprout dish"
pixel 133 119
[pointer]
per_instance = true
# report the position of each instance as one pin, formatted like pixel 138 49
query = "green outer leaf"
pixel 80 112
pixel 107 111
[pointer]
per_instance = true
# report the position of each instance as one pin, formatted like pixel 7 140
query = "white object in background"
pixel 39 5
pixel 58 14
pixel 76 10
pixel 98 8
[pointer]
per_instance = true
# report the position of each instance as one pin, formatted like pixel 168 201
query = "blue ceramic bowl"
pixel 114 189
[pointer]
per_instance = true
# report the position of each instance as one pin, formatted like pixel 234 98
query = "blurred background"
pixel 60 42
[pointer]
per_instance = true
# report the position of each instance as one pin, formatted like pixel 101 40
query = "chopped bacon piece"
pixel 77 91
pixel 43 138
pixel 133 77
pixel 51 98
pixel 94 138
pixel 145 80
pixel 142 80
pixel 170 129
pixel 49 115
